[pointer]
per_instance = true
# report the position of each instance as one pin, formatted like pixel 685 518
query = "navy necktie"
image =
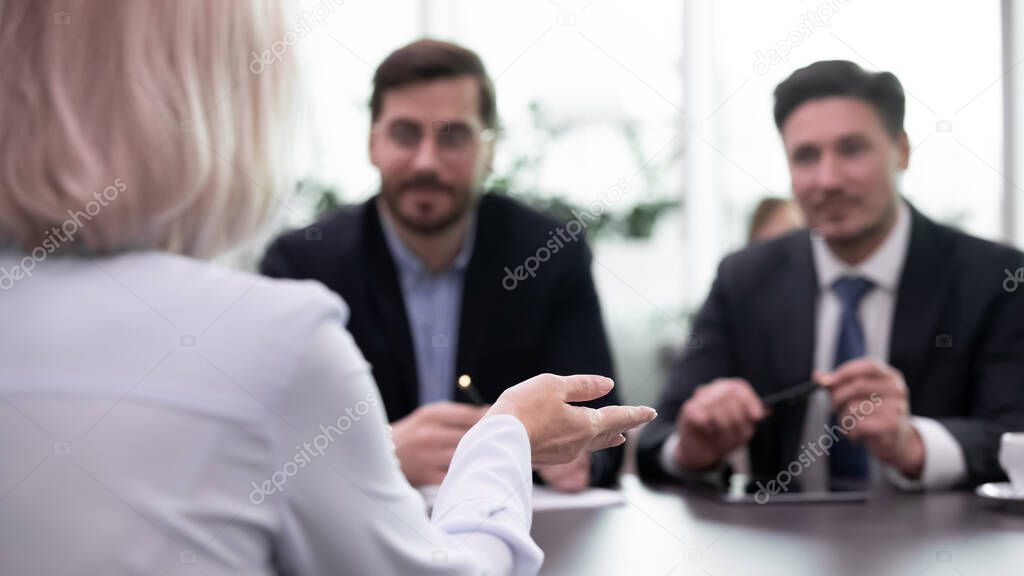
pixel 848 459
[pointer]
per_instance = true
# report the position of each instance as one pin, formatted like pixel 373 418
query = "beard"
pixel 426 220
pixel 876 221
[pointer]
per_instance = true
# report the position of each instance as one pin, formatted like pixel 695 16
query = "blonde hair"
pixel 141 122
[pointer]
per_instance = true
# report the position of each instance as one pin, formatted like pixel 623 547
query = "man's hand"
pixel 876 396
pixel 571 477
pixel 716 420
pixel 560 432
pixel 426 439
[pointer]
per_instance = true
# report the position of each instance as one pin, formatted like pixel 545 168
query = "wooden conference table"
pixel 672 532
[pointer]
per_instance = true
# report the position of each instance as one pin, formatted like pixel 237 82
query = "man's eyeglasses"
pixel 450 137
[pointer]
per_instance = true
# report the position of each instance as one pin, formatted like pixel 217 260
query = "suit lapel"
pixel 923 286
pixel 385 295
pixel 791 325
pixel 477 297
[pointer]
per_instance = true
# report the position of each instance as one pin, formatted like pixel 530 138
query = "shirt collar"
pixel 883 267
pixel 409 262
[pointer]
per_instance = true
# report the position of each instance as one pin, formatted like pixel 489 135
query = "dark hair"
pixel 841 78
pixel 426 60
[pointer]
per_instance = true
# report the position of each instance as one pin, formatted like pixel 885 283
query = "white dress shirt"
pixel 433 304
pixel 944 464
pixel 162 415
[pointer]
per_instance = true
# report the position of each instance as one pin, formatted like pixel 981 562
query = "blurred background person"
pixel 160 413
pixel 919 358
pixel 774 217
pixel 451 286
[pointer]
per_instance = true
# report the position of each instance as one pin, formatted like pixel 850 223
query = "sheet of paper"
pixel 546 499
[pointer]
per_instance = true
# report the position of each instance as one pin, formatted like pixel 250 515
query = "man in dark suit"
pixel 906 324
pixel 454 295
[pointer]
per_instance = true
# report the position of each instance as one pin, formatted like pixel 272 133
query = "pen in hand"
pixel 466 385
pixel 790 395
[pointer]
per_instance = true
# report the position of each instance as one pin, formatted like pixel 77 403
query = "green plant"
pixel 636 221
pixel 521 180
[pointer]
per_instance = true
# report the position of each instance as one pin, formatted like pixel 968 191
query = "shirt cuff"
pixel 944 462
pixel 667 458
pixel 488 491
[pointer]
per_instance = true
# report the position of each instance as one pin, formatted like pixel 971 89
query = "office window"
pixel 675 99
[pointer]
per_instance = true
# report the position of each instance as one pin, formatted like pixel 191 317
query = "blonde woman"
pixel 161 415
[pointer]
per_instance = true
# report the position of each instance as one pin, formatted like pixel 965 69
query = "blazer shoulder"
pixel 510 213
pixel 333 239
pixel 749 266
pixel 522 230
pixel 339 228
pixel 981 254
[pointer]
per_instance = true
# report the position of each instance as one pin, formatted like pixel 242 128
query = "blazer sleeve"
pixel 997 396
pixel 576 343
pixel 707 355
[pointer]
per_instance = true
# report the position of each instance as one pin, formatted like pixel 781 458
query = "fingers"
pixel 695 415
pixel 746 411
pixel 754 409
pixel 731 422
pixel 727 416
pixel 607 440
pixel 434 476
pixel 444 437
pixel 729 438
pixel 573 476
pixel 583 387
pixel 852 392
pixel 863 389
pixel 577 482
pixel 877 420
pixel 455 415
pixel 725 406
pixel 426 461
pixel 742 403
pixel 581 462
pixel 857 368
pixel 719 417
pixel 618 419
pixel 429 437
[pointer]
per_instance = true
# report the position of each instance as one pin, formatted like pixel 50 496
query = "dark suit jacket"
pixel 758 323
pixel 548 323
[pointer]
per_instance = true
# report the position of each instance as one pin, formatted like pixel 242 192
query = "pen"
pixel 466 385
pixel 790 395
